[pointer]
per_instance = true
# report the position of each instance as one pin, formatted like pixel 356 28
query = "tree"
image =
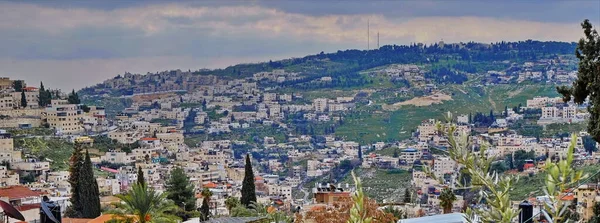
pixel 407 196
pixel 499 167
pixel 360 153
pixel 587 83
pixel 232 202
pixel 596 217
pixel 89 195
pixel 205 208
pixel 447 197
pixel 248 187
pixel 18 85
pixel 397 213
pixel 76 162
pixel 495 188
pixel 73 98
pixel 41 95
pixel 146 204
pixel 395 155
pixel 589 144
pixel 44 96
pixel 180 190
pixel 140 176
pixel 23 99
pixel 560 177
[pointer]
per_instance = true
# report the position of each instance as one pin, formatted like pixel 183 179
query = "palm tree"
pixel 205 208
pixel 146 205
pixel 447 197
pixel 232 202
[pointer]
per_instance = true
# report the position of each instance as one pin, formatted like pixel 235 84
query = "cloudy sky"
pixel 73 44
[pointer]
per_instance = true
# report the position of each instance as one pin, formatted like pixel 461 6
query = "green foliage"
pixel 76 163
pixel 499 167
pixel 491 186
pixel 232 202
pixel 248 187
pixel 180 189
pixel 589 144
pixel 163 121
pixel 146 204
pixel 89 195
pixel 44 97
pixel 73 98
pixel 596 217
pixel 205 209
pixel 23 99
pixel 561 177
pixel 140 176
pixel 358 212
pixel 397 213
pixel 407 196
pixel 517 160
pixel 447 197
pixel 18 85
pixel 587 83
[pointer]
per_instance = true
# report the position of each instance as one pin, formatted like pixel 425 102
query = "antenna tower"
pixel 377 39
pixel 368 35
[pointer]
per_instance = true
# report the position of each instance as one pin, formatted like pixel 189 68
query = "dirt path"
pixel 436 98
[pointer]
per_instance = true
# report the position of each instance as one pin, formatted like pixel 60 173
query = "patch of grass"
pixel 367 125
pixel 533 185
pixel 381 184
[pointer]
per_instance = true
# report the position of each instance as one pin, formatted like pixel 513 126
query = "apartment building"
pixel 65 118
pixel 31 96
pixel 443 165
pixel 171 140
pixel 5 83
pixel 7 102
pixel 118 157
pixel 550 112
pixel 320 104
pixel 427 130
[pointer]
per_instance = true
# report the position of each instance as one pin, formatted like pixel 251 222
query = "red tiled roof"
pixel 29 88
pixel 17 192
pixel 149 139
pixel 569 197
pixel 210 185
pixel 258 178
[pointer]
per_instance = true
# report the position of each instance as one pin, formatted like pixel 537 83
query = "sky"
pixel 74 44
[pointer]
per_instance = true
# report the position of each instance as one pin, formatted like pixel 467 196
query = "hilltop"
pixel 447 63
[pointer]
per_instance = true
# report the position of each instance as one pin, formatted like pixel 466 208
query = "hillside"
pixel 344 67
pixel 393 88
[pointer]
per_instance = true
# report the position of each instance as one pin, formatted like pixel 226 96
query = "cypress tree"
pixel 89 194
pixel 407 198
pixel 140 176
pixel 42 95
pixel 248 187
pixel 23 99
pixel 180 189
pixel 360 154
pixel 586 85
pixel 76 161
